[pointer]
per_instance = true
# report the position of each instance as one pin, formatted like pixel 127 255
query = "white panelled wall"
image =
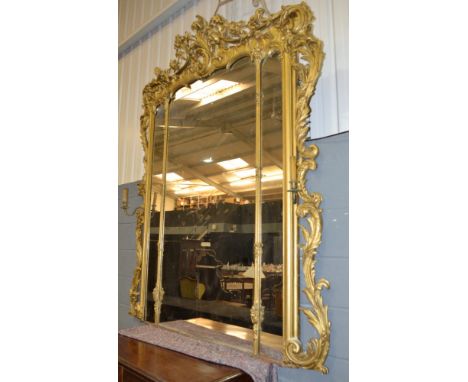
pixel 133 14
pixel 155 49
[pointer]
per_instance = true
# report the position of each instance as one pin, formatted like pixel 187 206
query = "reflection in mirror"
pixel 214 163
pixel 210 199
pixel 209 232
pixel 272 196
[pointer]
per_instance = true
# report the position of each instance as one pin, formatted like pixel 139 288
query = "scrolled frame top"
pixel 217 44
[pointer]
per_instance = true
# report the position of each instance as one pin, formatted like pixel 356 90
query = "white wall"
pixel 135 13
pixel 329 105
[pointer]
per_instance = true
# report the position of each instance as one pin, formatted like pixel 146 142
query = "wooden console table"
pixel 143 362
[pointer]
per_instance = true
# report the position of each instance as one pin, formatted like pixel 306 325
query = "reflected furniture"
pixel 239 286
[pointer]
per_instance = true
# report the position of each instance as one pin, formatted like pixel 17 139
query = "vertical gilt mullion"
pixel 141 313
pixel 257 308
pixel 158 291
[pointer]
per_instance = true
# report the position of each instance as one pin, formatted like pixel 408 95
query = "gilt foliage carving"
pixel 216 44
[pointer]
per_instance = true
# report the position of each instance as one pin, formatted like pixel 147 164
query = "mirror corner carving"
pixel 216 44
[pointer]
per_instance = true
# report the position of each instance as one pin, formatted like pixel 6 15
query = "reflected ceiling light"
pixel 171 177
pixel 208 160
pixel 191 183
pixel 181 185
pixel 181 127
pixel 272 170
pixel 271 173
pixel 227 91
pixel 185 185
pixel 245 173
pixel 233 164
pixel 230 177
pixel 185 91
pixel 177 126
pixel 270 178
pixel 209 91
pixel 242 182
pixel 195 190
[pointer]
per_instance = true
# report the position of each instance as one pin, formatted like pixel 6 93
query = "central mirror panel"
pixel 209 221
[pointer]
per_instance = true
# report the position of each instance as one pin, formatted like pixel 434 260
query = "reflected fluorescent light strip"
pixel 185 91
pixel 230 178
pixel 177 126
pixel 177 186
pixel 233 164
pixel 272 170
pixel 222 93
pixel 244 173
pixel 270 178
pixel 251 180
pixel 186 185
pixel 208 92
pixel 194 190
pixel 171 177
pixel 242 182
pixel 272 173
pixel 211 90
pixel 207 160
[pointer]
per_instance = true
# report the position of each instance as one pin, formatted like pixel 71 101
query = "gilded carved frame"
pixel 216 44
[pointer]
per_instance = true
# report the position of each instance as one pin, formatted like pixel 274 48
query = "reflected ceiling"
pixel 212 135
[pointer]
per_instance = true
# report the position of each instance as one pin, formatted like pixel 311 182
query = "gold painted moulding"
pixel 217 44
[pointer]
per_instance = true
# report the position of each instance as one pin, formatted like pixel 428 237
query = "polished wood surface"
pixel 270 340
pixel 140 361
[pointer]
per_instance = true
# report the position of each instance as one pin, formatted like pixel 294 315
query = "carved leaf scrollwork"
pixel 219 43
pixel 308 53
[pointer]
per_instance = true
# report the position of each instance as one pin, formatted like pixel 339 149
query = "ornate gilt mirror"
pixel 227 215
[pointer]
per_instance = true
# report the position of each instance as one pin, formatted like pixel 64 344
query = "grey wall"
pixel 331 180
pixel 127 258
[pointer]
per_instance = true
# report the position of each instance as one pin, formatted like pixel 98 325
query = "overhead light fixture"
pixel 272 170
pixel 245 173
pixel 171 177
pixel 194 190
pixel 229 177
pixel 177 126
pixel 185 91
pixel 179 186
pixel 272 173
pixel 270 178
pixel 208 92
pixel 227 90
pixel 208 160
pixel 233 164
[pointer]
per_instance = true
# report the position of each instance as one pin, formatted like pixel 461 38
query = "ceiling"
pixel 224 129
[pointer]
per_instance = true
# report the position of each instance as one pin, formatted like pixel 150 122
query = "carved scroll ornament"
pixel 216 44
